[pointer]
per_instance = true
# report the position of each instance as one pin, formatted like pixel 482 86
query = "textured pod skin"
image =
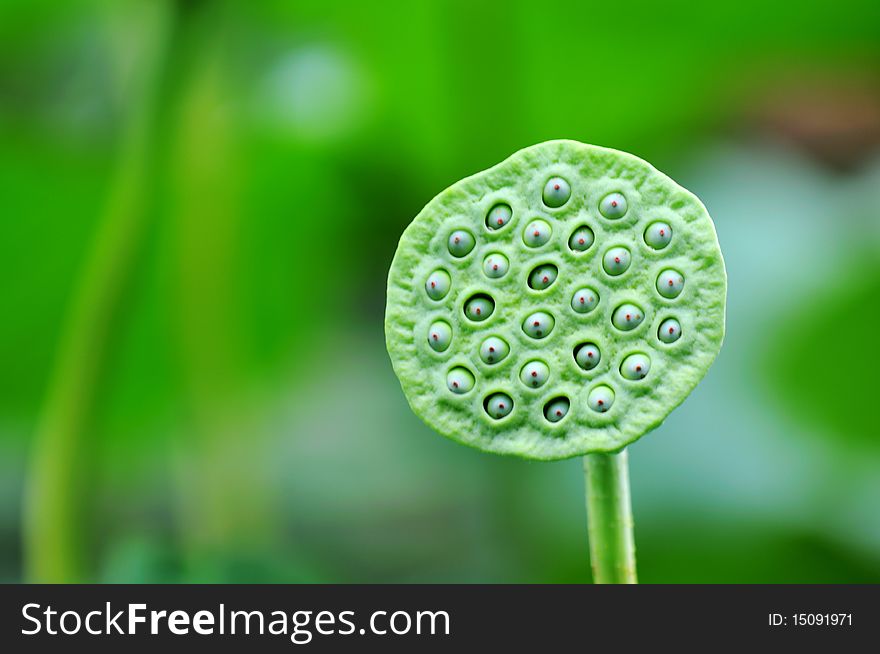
pixel 639 406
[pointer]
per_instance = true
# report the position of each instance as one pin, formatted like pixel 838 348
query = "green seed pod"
pixel 534 374
pixel 670 283
pixel 581 239
pixel 658 235
pixel 635 366
pixel 587 355
pixel 460 380
pixel 616 261
pixel 498 216
pixel 556 192
pixel 496 265
pixel 537 233
pixel 613 206
pixel 669 330
pixel 556 409
pixel 543 277
pixel 494 349
pixel 538 325
pixel 509 306
pixel 461 242
pixel 437 285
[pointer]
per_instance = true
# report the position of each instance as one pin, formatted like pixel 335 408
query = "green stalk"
pixel 609 518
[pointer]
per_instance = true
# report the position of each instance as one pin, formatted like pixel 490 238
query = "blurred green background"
pixel 200 201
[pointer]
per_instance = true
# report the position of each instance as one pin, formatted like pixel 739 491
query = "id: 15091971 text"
pixel 810 620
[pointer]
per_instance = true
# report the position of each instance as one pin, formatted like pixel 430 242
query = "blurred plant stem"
pixel 56 516
pixel 609 518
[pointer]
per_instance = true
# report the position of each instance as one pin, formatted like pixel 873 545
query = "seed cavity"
pixel 556 192
pixel 587 355
pixel 635 366
pixel 498 216
pixel 439 335
pixel 498 405
pixel 581 239
pixel 459 380
pixel 494 349
pixel 461 242
pixel 538 325
pixel 584 299
pixel 437 285
pixel 534 374
pixel 627 317
pixel 601 399
pixel 479 307
pixel 616 261
pixel 496 265
pixel 658 235
pixel 669 330
pixel 537 233
pixel 556 409
pixel 613 206
pixel 670 283
pixel 543 277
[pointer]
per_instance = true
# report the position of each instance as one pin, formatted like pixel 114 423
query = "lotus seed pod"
pixel 581 239
pixel 438 284
pixel 613 206
pixel 439 335
pixel 538 325
pixel 669 330
pixel 498 216
pixel 543 362
pixel 587 356
pixel 670 283
pixel 556 192
pixel 616 261
pixel 479 307
pixel 461 242
pixel 585 299
pixel 543 277
pixel 494 349
pixel 496 265
pixel 627 317
pixel 658 235
pixel 556 409
pixel 537 233
pixel 460 380
pixel 534 374
pixel 499 405
pixel 635 366
pixel 601 399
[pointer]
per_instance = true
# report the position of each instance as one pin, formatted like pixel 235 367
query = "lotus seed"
pixel 498 405
pixel 461 242
pixel 670 283
pixel 635 366
pixel 556 192
pixel 669 331
pixel 494 349
pixel 587 355
pixel 616 261
pixel 658 235
pixel 581 239
pixel 496 265
pixel 538 325
pixel 438 284
pixel 613 206
pixel 439 335
pixel 584 300
pixel 600 399
pixel 556 409
pixel 498 216
pixel 459 380
pixel 479 307
pixel 534 374
pixel 627 317
pixel 543 277
pixel 536 233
